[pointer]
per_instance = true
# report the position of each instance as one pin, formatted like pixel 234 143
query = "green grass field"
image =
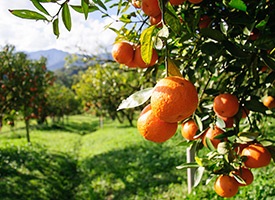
pixel 79 160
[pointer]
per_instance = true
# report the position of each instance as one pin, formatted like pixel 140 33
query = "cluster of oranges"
pixel 130 55
pixel 253 155
pixel 173 99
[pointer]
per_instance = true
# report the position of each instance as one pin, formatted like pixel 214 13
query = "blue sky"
pixel 28 35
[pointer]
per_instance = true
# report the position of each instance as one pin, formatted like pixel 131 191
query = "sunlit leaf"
pixel 125 18
pixel 147 44
pixel 248 136
pixel 136 99
pixel 80 10
pixel 66 17
pixel 187 165
pixel 238 4
pixel 198 176
pixel 238 178
pixel 223 148
pixel 28 14
pixel 173 69
pixel 220 123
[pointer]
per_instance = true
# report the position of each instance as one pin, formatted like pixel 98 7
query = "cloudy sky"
pixel 29 35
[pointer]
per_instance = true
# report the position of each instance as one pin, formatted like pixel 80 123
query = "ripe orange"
pixel 211 133
pixel 229 121
pixel 156 21
pixel 154 129
pixel 238 148
pixel 123 52
pixel 257 156
pixel 176 2
pixel 151 7
pixel 195 1
pixel 189 129
pixel 246 175
pixel 174 99
pixel 226 186
pixel 269 102
pixel 226 105
pixel 139 61
pixel 136 3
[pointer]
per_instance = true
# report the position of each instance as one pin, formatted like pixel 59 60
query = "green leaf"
pixel 66 17
pixel 80 10
pixel 38 5
pixel 209 144
pixel 100 3
pixel 187 165
pixel 56 27
pixel 261 25
pixel 211 48
pixel 235 50
pixel 147 44
pixel 255 105
pixel 238 178
pixel 213 34
pixel 28 14
pixel 125 18
pixel 238 4
pixel 136 99
pixel 172 20
pixel 198 176
pixel 85 7
pixel 223 148
pixel 269 61
pixel 220 123
pixel 248 136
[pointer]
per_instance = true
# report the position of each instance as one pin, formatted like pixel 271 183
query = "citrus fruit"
pixel 246 175
pixel 156 21
pixel 151 7
pixel 226 105
pixel 256 156
pixel 226 186
pixel 174 99
pixel 176 2
pixel 123 52
pixel 204 21
pixel 195 1
pixel 154 129
pixel 139 61
pixel 269 102
pixel 229 121
pixel 189 129
pixel 136 3
pixel 211 133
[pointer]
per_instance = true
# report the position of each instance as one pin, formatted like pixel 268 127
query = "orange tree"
pixel 223 47
pixel 23 84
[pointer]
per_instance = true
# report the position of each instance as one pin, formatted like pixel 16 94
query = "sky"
pixel 30 35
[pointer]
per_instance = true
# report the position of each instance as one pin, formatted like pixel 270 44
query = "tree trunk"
pixel 27 123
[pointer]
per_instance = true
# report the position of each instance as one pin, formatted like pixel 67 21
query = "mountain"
pixel 55 58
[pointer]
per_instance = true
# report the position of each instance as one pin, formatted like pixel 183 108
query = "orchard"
pixel 213 64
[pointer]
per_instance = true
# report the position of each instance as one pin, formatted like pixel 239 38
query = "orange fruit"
pixel 229 121
pixel 204 21
pixel 156 21
pixel 151 7
pixel 226 186
pixel 154 129
pixel 139 61
pixel 211 133
pixel 226 105
pixel 174 99
pixel 177 2
pixel 189 129
pixel 195 1
pixel 123 52
pixel 257 156
pixel 136 3
pixel 238 148
pixel 269 102
pixel 246 175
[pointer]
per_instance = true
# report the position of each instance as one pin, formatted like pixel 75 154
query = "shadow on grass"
pixel 73 127
pixel 142 171
pixel 29 172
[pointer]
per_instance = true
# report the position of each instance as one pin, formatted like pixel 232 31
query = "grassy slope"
pixel 81 161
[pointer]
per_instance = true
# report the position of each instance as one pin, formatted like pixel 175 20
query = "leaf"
pixel 56 27
pixel 173 69
pixel 85 7
pixel 125 18
pixel 164 32
pixel 211 48
pixel 213 34
pixel 100 3
pixel 147 44
pixel 209 144
pixel 66 17
pixel 238 4
pixel 198 176
pixel 136 99
pixel 235 50
pixel 187 165
pixel 38 5
pixel 80 10
pixel 198 122
pixel 269 61
pixel 28 14
pixel 238 178
pixel 220 123
pixel 255 105
pixel 248 136
pixel 172 20
pixel 223 148
pixel 261 25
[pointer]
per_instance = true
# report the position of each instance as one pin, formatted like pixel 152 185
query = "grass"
pixel 80 160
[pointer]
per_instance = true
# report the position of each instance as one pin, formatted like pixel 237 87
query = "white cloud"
pixel 29 35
